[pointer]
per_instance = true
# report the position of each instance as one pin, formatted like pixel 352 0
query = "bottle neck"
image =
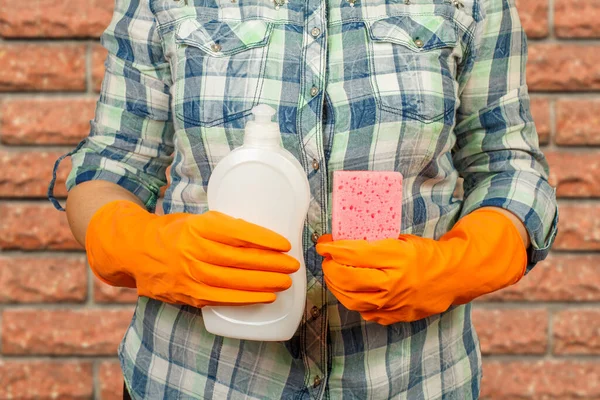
pixel 263 135
pixel 262 141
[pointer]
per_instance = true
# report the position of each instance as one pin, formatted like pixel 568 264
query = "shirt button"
pixel 317 381
pixel 315 165
pixel 315 312
pixel 216 47
pixel 419 43
pixel 314 91
pixel 315 32
pixel 315 237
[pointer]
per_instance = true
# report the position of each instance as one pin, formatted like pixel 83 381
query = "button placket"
pixel 315 26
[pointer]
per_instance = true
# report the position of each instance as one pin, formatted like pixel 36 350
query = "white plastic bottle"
pixel 262 183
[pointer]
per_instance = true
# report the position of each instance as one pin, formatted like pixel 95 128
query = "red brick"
pixel 543 380
pixel 110 379
pixel 577 18
pixel 45 121
pixel 563 67
pixel 534 17
pixel 576 331
pixel 560 277
pixel 575 174
pixel 99 54
pixel 540 110
pixel 579 227
pixel 27 173
pixel 55 18
pixel 104 293
pixel 37 279
pixel 42 67
pixel 511 331
pixel 42 380
pixel 34 227
pixel 63 332
pixel 578 122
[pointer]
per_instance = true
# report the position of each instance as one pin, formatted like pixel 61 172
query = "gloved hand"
pixel 207 259
pixel 411 277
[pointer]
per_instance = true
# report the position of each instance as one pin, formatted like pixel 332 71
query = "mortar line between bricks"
pixel 536 305
pixel 82 95
pixel 88 68
pixel 42 252
pixel 574 150
pixel 561 95
pixel 552 116
pixel 84 358
pixel 584 41
pixel 95 380
pixel 10 148
pixel 91 295
pixel 45 40
pixel 551 32
pixel 536 357
pixel 20 254
pixel 68 306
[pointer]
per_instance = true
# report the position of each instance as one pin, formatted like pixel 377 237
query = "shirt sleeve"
pixel 497 150
pixel 131 138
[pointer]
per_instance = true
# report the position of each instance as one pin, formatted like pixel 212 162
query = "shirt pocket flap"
pixel 416 32
pixel 221 39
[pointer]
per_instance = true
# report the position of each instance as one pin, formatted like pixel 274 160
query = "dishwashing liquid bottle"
pixel 262 183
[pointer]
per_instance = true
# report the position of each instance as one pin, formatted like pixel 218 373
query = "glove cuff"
pixel 495 256
pixel 109 231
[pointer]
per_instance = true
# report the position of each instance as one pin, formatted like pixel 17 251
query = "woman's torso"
pixel 369 85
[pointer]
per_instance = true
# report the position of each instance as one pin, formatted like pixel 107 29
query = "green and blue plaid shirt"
pixel 434 89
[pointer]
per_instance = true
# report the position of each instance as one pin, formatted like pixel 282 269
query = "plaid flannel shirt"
pixel 434 89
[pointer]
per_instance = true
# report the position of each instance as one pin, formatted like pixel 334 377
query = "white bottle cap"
pixel 262 130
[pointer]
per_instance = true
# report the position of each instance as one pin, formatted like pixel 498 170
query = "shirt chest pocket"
pixel 413 66
pixel 219 70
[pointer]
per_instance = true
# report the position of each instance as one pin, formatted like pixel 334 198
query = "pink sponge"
pixel 366 205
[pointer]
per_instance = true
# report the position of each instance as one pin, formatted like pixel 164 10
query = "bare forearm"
pixel 86 198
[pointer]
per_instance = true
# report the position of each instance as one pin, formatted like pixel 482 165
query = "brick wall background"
pixel 60 327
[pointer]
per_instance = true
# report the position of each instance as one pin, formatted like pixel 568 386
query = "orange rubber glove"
pixel 207 259
pixel 411 277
